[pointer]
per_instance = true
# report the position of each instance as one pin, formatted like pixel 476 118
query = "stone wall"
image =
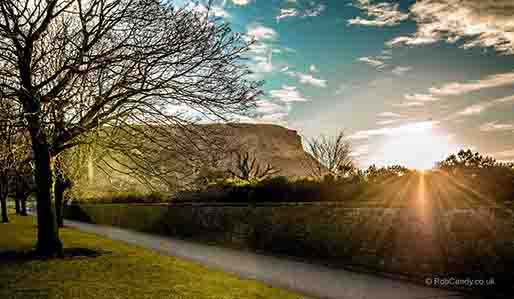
pixel 411 241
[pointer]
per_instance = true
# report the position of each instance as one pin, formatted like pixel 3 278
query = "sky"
pixel 408 81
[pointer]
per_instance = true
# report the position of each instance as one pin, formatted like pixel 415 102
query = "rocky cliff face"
pixel 270 144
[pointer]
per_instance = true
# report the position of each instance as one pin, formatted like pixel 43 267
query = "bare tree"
pixel 330 155
pixel 13 151
pixel 62 183
pixel 6 161
pixel 248 168
pixel 82 65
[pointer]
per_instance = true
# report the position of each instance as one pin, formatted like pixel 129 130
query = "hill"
pixel 101 170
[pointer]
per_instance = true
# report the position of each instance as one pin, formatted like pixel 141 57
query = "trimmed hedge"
pixel 280 189
pixel 384 239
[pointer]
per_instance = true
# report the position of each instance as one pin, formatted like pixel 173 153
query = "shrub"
pixel 124 197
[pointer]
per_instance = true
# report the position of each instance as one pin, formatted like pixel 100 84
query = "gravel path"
pixel 319 281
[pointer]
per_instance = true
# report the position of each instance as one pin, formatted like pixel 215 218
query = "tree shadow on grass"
pixel 12 256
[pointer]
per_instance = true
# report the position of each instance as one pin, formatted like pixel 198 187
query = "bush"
pixel 124 197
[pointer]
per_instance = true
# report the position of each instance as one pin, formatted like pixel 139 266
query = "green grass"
pixel 121 271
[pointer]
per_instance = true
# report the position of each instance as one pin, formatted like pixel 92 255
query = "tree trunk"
pixel 3 201
pixel 24 206
pixel 48 243
pixel 59 194
pixel 18 207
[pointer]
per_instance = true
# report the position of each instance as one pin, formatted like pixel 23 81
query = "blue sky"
pixel 408 81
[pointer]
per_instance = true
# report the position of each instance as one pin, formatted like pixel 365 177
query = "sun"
pixel 417 149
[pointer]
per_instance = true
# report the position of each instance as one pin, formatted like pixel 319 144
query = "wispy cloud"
pixel 262 50
pixel 391 131
pixel 481 107
pixel 401 70
pixel 460 88
pixel 287 94
pixel 409 104
pixel 387 122
pixel 380 14
pixel 389 118
pixel 389 114
pixel 478 23
pixel 241 2
pixel 272 112
pixel 496 126
pixel 308 79
pixel 260 32
pixel 372 61
pixel 216 10
pixel 313 10
pixel 421 98
pixel 286 13
pixel 473 109
pixel 457 88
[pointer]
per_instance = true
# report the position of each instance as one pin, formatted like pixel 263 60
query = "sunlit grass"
pixel 121 271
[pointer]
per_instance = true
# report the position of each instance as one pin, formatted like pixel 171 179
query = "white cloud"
pixel 380 14
pixel 409 104
pixel 265 107
pixel 262 50
pixel 268 111
pixel 477 23
pixel 313 11
pixel 387 122
pixel 313 69
pixel 479 108
pixel 412 127
pixel 261 66
pixel 287 94
pixel 241 2
pixel 419 97
pixel 372 61
pixel 496 126
pixel 412 41
pixel 215 10
pixel 400 70
pixel 260 32
pixel 308 79
pixel 286 13
pixel 457 88
pixel 473 109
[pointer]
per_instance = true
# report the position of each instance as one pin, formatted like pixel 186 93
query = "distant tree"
pixel 22 185
pixel 330 156
pixel 76 66
pixel 246 167
pixel 374 174
pixel 466 159
pixel 13 151
pixel 482 174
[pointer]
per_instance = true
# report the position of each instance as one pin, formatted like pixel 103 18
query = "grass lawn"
pixel 121 271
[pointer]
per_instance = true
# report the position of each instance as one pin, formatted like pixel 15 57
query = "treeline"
pixel 463 176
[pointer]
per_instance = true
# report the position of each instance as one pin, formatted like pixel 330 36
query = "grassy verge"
pixel 120 271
